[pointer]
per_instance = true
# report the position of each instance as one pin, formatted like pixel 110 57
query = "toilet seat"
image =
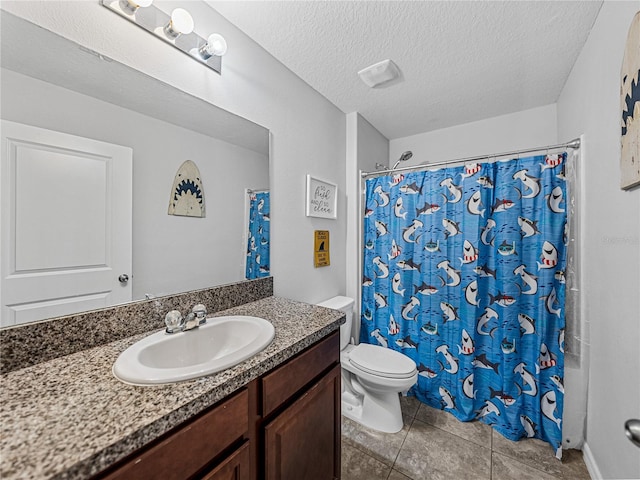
pixel 382 362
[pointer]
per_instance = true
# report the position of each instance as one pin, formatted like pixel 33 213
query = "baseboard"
pixel 590 462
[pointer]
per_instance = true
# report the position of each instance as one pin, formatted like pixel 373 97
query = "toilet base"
pixel 378 411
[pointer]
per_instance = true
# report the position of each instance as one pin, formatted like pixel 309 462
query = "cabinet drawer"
pixel 285 381
pixel 189 449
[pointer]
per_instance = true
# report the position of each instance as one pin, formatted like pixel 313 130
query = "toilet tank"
pixel 345 305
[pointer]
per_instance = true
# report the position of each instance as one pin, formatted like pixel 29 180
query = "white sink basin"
pixel 220 343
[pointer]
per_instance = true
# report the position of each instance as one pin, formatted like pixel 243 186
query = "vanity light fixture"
pixel 176 29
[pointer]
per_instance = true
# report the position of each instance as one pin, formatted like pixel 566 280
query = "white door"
pixel 65 223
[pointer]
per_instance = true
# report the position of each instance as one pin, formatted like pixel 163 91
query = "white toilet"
pixel 372 377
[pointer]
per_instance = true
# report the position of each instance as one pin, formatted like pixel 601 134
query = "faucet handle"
pixel 174 321
pixel 201 313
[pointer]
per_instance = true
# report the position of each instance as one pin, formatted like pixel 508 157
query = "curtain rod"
pixel 572 144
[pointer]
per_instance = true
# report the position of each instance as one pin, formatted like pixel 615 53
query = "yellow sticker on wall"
pixel 321 249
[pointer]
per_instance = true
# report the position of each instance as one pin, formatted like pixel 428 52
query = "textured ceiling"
pixel 460 61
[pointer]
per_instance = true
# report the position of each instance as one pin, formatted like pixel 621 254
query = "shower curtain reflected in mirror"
pixel 464 273
pixel 258 239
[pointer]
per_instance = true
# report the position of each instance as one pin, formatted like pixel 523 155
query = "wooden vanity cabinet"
pixel 301 415
pixel 284 425
pixel 303 442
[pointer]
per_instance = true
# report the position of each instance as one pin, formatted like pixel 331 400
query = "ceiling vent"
pixel 379 73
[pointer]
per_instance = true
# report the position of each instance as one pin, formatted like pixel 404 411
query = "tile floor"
pixel 435 445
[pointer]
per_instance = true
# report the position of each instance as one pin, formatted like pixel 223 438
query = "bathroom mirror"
pixel 76 91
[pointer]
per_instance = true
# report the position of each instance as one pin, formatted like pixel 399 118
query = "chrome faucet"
pixel 175 322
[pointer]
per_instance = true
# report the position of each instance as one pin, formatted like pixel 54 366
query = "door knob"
pixel 123 279
pixel 632 429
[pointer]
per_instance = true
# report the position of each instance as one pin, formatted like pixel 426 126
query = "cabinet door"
pixel 303 442
pixel 235 467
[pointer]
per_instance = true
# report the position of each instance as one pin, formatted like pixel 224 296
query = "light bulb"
pixel 181 23
pixel 216 45
pixel 133 5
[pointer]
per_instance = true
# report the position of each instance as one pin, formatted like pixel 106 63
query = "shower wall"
pixel 515 131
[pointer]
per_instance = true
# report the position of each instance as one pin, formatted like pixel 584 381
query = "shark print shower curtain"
pixel 258 237
pixel 464 273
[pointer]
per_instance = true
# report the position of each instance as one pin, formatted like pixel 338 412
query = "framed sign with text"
pixel 321 198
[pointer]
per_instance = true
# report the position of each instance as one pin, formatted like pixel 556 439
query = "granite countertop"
pixel 70 417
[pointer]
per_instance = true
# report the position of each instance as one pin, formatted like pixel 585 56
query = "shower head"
pixel 406 156
pixel 403 158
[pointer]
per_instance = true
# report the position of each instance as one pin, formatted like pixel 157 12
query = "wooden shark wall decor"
pixel 630 107
pixel 187 193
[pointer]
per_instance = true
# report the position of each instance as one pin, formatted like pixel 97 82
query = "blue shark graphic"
pixel 631 99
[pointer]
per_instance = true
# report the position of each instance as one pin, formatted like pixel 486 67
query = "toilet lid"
pixel 382 361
